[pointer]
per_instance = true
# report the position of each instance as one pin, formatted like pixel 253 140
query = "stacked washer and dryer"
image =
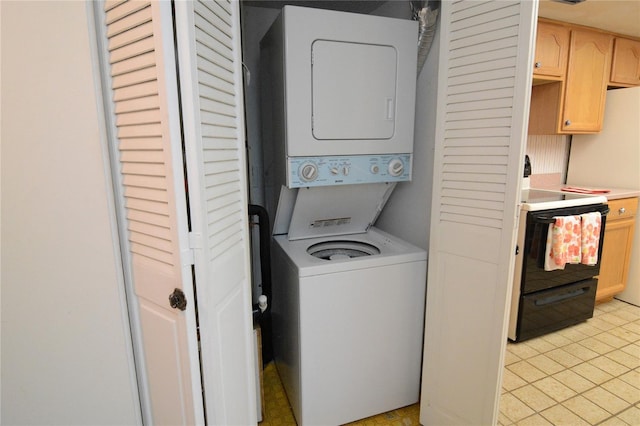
pixel 338 100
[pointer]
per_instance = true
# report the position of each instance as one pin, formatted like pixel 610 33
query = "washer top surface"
pixel 371 249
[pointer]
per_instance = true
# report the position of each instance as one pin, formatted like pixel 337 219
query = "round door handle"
pixel 622 210
pixel 178 300
pixel 538 64
pixel 567 123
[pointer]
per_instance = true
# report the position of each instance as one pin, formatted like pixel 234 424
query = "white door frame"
pixel 107 128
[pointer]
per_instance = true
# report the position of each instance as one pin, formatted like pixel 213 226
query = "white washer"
pixel 348 331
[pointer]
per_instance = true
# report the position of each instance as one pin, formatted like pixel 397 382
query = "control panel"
pixel 347 170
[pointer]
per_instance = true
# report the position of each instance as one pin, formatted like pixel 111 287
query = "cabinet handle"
pixel 538 64
pixel 622 210
pixel 567 123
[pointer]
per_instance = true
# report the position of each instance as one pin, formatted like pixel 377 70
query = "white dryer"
pixel 348 310
pixel 338 100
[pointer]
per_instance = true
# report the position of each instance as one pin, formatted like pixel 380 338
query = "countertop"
pixel 614 194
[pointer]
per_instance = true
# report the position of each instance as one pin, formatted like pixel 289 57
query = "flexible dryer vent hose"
pixel 427 17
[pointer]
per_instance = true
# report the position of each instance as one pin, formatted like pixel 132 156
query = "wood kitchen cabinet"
pixel 586 83
pixel 552 50
pixel 616 248
pixel 625 66
pixel 574 104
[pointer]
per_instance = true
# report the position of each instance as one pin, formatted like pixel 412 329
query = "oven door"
pixel 534 277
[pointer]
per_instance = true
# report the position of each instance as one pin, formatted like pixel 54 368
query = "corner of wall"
pixel 408 212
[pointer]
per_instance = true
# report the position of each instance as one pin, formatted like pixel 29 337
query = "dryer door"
pixel 354 90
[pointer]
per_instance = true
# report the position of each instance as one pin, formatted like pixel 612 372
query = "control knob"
pixel 308 171
pixel 396 167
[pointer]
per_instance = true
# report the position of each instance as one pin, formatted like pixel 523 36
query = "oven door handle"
pixel 547 219
pixel 561 297
pixel 544 219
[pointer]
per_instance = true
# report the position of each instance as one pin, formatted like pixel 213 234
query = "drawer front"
pixel 554 309
pixel 624 207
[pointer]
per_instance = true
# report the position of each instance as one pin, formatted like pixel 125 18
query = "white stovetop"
pixel 543 199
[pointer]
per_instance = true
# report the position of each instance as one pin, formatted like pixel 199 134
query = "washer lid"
pixel 333 210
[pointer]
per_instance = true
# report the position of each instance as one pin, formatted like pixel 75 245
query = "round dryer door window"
pixel 340 250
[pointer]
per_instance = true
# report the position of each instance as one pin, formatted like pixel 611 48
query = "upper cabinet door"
pixel 625 69
pixel 586 83
pixel 552 49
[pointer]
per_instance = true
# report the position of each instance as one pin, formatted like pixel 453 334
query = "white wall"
pixel 611 159
pixel 408 211
pixel 548 154
pixel 66 355
pixel 256 21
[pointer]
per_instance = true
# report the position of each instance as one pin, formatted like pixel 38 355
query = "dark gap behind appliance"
pixel 263 318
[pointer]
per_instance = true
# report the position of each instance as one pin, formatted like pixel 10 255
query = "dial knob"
pixel 308 171
pixel 396 167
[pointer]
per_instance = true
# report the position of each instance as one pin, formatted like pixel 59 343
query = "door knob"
pixel 177 300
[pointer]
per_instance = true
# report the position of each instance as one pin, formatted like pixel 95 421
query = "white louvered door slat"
pixel 147 125
pixel 131 36
pixel 483 98
pixel 134 48
pixel 211 82
pixel 129 22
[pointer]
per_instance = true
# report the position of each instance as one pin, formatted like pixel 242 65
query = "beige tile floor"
pixel 588 374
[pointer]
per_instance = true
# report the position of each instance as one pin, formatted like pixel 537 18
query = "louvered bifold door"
pixel 143 92
pixel 212 98
pixel 483 96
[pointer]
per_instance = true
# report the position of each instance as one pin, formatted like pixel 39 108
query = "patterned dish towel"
pixel 590 240
pixel 563 243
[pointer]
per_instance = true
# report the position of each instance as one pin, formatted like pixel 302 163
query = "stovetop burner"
pixel 539 199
